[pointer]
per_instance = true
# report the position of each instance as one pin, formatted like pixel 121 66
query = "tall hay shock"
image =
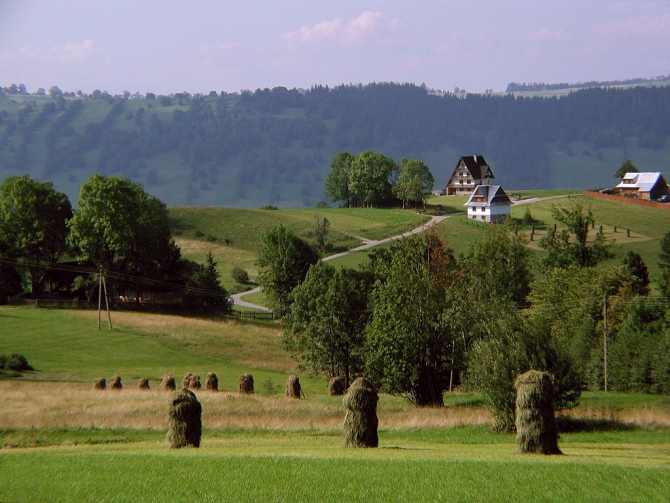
pixel 143 384
pixel 336 386
pixel 245 384
pixel 167 383
pixel 293 388
pixel 115 383
pixel 184 420
pixel 100 383
pixel 195 382
pixel 536 431
pixel 212 382
pixel 360 420
pixel 191 381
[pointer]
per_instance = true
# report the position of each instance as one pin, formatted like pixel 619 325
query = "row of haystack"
pixel 535 423
pixel 245 384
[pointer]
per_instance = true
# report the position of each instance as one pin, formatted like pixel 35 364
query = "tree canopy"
pixel 324 328
pixel 33 223
pixel 118 221
pixel 572 245
pixel 283 262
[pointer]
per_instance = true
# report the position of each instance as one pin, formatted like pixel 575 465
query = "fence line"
pixel 253 315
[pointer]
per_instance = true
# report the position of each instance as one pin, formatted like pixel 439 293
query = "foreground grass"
pixel 304 466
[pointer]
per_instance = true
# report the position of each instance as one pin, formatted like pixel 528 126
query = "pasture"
pixel 63 441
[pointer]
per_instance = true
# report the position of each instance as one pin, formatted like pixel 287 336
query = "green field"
pixel 62 441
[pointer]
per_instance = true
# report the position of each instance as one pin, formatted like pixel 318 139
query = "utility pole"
pixel 99 297
pixel 605 342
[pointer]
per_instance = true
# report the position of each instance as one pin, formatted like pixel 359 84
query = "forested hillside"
pixel 275 146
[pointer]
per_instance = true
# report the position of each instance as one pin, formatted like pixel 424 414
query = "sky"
pixel 165 46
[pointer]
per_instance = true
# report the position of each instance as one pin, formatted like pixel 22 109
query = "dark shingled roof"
pixel 477 166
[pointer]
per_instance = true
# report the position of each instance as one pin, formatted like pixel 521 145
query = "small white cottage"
pixel 489 203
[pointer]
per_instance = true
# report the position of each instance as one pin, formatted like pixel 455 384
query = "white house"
pixel 489 203
pixel 643 185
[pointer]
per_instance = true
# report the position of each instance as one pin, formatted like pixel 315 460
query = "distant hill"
pixel 274 146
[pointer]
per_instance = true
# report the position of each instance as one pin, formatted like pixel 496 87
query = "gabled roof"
pixel 643 182
pixel 477 166
pixel 490 193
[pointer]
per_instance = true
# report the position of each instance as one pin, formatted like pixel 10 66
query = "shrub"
pixel 16 362
pixel 239 275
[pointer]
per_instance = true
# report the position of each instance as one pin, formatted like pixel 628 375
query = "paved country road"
pixel 237 298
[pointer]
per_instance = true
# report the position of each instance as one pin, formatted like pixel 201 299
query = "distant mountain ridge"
pixel 274 146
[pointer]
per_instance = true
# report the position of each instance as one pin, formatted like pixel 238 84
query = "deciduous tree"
pixel 33 223
pixel 283 261
pixel 414 180
pixel 572 245
pixel 324 328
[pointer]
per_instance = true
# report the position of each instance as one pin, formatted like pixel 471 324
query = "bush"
pixel 15 362
pixel 239 275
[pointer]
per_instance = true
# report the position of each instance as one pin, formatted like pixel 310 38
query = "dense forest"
pixel 276 145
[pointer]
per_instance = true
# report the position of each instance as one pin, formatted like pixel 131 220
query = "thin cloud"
pixel 68 53
pixel 351 32
pixel 640 27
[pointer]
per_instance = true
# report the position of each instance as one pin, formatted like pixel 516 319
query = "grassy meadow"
pixel 60 440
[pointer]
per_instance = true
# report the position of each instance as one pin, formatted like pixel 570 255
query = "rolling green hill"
pixel 275 146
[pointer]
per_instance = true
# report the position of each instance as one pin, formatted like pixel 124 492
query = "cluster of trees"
pixel 372 179
pixel 118 228
pixel 278 141
pixel 418 321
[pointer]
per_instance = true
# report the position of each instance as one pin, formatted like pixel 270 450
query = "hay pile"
pixel 336 386
pixel 293 388
pixel 100 383
pixel 212 382
pixel 143 383
pixel 184 420
pixel 536 430
pixel 245 384
pixel 360 420
pixel 191 381
pixel 115 383
pixel 167 383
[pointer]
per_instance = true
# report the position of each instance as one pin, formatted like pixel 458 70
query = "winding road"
pixel 367 244
pixel 237 298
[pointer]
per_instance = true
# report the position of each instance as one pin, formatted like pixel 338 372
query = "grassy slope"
pixel 232 235
pixel 422 456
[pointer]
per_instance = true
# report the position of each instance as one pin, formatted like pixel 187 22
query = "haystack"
pixel 167 383
pixel 184 420
pixel 195 382
pixel 245 384
pixel 536 430
pixel 293 388
pixel 143 383
pixel 360 420
pixel 115 383
pixel 212 383
pixel 186 381
pixel 336 386
pixel 191 381
pixel 100 383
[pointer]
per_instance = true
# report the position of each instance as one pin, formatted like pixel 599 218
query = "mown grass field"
pixel 63 441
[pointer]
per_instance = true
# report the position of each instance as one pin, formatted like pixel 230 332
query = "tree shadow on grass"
pixel 581 425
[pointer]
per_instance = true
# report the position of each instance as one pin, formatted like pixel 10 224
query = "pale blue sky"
pixel 167 46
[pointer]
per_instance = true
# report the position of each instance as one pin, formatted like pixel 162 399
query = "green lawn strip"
pixel 304 466
pixel 63 345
